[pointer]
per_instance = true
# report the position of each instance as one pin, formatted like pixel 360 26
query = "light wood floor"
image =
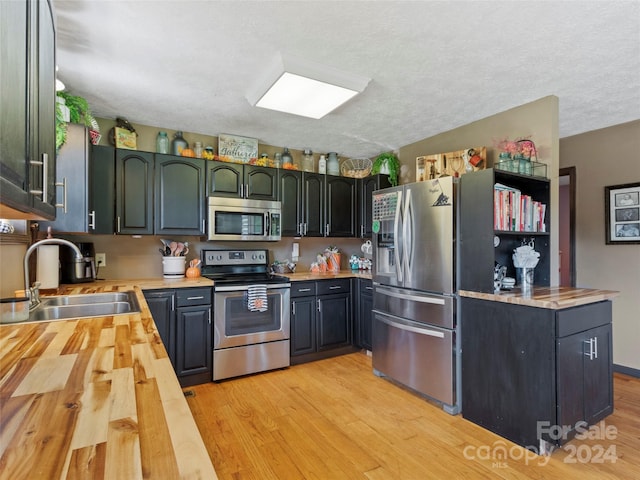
pixel 334 419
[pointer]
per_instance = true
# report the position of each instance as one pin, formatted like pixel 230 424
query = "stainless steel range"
pixel 251 312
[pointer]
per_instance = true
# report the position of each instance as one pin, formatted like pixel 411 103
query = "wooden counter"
pixel 96 398
pixel 546 297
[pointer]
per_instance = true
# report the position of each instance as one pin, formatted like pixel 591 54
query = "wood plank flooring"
pixel 334 419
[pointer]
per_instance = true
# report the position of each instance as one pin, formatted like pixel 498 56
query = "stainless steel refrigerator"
pixel 415 302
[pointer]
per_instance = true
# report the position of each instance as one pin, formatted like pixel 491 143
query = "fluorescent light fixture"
pixel 301 87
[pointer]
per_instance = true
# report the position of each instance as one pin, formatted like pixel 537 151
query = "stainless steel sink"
pixel 85 306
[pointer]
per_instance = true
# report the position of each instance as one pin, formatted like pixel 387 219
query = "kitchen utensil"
pixel 162 252
pixel 172 249
pixel 179 249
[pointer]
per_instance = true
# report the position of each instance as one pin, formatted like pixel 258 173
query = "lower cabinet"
pixel 364 317
pixel 533 375
pixel 183 319
pixel 321 319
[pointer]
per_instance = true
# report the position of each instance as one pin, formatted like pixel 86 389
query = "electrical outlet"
pixel 101 259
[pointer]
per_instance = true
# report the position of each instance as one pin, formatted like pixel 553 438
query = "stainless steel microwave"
pixel 244 219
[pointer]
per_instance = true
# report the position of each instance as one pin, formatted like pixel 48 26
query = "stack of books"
pixel 516 212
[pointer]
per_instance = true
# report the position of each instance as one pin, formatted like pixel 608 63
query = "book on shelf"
pixel 514 211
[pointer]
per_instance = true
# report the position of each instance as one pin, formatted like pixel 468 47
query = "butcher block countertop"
pixel 96 398
pixel 554 298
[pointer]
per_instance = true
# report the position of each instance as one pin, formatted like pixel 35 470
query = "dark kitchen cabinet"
pixel 290 196
pixel 532 375
pixel 340 206
pixel 85 182
pixel 134 192
pixel 27 102
pixel 179 188
pixel 365 188
pixel 226 179
pixel 363 315
pixel 478 253
pixel 321 319
pixel 313 204
pixel 183 319
pixel 162 307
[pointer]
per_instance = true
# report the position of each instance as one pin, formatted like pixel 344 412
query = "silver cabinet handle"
pixel 209 312
pixel 305 229
pixel 362 230
pixel 242 190
pixel 45 175
pixel 368 288
pixel 246 189
pixel 195 298
pixel 92 216
pixel 595 347
pixel 203 230
pixel 173 302
pixel 62 184
pixel 319 305
pixel 293 309
pixel 334 287
pixel 590 354
pixel 118 228
pixel 409 328
pixel 304 289
pixel 327 230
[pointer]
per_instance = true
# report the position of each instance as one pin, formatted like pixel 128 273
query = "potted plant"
pixel 79 112
pixel 388 164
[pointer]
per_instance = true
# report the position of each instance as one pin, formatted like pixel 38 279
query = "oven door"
pixel 235 324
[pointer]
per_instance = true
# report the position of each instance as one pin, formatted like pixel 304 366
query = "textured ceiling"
pixel 187 65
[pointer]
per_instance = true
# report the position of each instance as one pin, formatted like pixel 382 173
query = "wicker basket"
pixel 356 167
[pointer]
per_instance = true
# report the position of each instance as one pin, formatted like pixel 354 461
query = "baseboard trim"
pixel 634 372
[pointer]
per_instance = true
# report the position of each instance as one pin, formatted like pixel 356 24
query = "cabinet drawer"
pixel 186 297
pixel 303 289
pixel 366 286
pixel 584 317
pixel 325 287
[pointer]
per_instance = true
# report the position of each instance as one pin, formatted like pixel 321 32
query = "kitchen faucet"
pixel 33 292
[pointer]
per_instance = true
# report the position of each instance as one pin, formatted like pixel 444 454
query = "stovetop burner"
pixel 238 267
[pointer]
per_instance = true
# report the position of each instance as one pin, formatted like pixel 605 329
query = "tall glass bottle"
pixel 178 143
pixel 162 142
pixel 307 160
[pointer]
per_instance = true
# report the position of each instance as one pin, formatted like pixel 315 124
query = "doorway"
pixel 567 226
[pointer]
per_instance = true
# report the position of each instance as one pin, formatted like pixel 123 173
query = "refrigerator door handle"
pixel 405 296
pixel 397 251
pixel 408 236
pixel 409 328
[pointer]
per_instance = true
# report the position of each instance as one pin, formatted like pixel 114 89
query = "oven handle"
pixel 237 288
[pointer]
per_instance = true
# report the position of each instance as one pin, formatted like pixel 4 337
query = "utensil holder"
pixel 524 278
pixel 173 267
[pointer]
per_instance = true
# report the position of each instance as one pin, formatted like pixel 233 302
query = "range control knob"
pixel 219 257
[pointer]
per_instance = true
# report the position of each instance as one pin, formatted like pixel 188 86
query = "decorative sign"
pixel 452 164
pixel 125 138
pixel 232 148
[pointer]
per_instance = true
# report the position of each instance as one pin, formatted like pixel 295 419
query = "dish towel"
pixel 257 298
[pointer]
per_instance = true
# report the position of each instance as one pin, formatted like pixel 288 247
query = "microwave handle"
pixel 267 223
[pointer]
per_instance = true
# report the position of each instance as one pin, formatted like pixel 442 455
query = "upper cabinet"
pixel 241 181
pixel 179 195
pixel 341 207
pixel 134 192
pixel 493 224
pixel 84 173
pixel 365 188
pixel 27 102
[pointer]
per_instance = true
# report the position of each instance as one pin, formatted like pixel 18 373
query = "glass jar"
pixel 307 160
pixel 178 143
pixel 197 149
pixel 287 160
pixel 322 165
pixel 333 165
pixel 277 160
pixel 162 143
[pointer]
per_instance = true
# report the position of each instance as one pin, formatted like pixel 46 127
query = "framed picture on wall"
pixel 622 214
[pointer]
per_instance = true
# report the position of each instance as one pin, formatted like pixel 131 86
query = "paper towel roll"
pixel 48 266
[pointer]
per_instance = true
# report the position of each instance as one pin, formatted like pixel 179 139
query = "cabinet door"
pixel 134 192
pixel 102 189
pixel 303 325
pixel 224 179
pixel 290 195
pixel 341 207
pixel 260 183
pixel 14 161
pixel 43 126
pixel 193 349
pixel 334 321
pixel 313 204
pixel 161 305
pixel 598 375
pixel 365 188
pixel 364 316
pixel 72 176
pixel 179 195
